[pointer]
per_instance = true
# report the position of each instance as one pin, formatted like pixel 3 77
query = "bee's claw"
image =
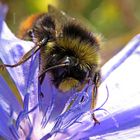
pixel 95 120
pixel 2 67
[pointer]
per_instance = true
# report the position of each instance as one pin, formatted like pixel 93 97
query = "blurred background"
pixel 117 21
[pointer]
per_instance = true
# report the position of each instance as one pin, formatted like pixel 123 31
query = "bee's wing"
pixel 60 17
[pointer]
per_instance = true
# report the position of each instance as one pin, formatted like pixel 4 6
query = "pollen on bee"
pixel 27 24
pixel 68 84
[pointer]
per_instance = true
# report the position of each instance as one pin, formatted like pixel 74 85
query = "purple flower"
pixel 48 117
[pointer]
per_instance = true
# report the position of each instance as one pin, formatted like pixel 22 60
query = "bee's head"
pixel 77 48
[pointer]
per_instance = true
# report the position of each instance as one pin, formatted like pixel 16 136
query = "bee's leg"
pixel 40 93
pixel 96 81
pixel 21 61
pixel 40 80
pixel 25 57
pixel 30 53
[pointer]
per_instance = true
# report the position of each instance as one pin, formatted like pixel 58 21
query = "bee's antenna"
pixel 53 67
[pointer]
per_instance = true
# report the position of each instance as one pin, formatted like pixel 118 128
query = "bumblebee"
pixel 68 51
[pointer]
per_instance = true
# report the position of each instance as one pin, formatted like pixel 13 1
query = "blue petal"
pixel 11 50
pixel 31 90
pixel 3 11
pixel 121 76
pixel 5 124
pixel 6 96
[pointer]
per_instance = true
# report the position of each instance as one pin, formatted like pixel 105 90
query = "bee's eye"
pixel 54 55
pixel 74 60
pixel 54 58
